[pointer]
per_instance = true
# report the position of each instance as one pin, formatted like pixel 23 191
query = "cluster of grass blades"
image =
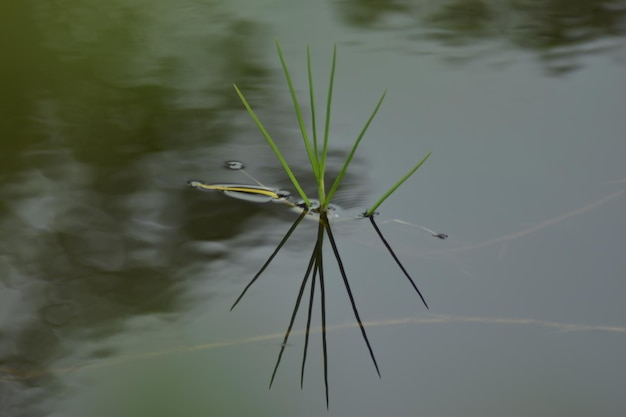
pixel 317 148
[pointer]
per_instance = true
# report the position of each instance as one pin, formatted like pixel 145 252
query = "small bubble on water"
pixel 235 165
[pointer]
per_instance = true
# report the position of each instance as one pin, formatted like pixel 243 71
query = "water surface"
pixel 116 278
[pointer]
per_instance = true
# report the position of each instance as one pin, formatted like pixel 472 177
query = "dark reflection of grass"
pixel 308 325
pixel 315 269
pixel 352 302
pixel 312 266
pixel 269 260
pixel 558 33
pixel 395 258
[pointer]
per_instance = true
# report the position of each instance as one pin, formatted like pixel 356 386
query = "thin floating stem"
pixel 441 236
pixel 371 217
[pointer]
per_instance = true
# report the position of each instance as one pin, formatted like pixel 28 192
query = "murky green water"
pixel 116 278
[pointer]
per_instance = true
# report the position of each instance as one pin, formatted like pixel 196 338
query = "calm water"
pixel 116 278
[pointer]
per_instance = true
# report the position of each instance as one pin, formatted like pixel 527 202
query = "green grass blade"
pixel 296 105
pixel 329 100
pixel 270 141
pixel 312 96
pixel 335 185
pixel 396 185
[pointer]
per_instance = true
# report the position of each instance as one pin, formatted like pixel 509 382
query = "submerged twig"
pixel 441 236
pixel 380 234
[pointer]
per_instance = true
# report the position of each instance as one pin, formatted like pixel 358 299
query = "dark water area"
pixel 116 277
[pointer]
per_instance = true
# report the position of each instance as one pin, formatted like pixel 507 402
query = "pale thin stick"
pixel 426 229
pixel 250 177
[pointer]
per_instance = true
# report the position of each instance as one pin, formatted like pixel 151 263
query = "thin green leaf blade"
pixel 344 169
pixel 396 185
pixel 329 100
pixel 312 98
pixel 296 105
pixel 270 141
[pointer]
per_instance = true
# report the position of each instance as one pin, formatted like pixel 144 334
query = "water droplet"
pixel 315 204
pixel 235 165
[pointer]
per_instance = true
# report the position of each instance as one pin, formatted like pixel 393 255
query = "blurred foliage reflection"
pixel 557 31
pixel 102 102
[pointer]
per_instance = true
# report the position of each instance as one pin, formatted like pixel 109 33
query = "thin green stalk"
pixel 341 174
pixel 395 186
pixel 312 98
pixel 322 167
pixel 296 105
pixel 270 141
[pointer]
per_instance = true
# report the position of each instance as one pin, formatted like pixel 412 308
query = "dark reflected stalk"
pixel 269 260
pixel 371 217
pixel 308 325
pixel 324 219
pixel 294 313
pixel 316 267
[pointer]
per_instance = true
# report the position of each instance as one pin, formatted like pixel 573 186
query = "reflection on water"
pixel 557 32
pixel 107 109
pixel 32 374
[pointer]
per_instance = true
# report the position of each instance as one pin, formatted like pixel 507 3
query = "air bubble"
pixel 234 165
